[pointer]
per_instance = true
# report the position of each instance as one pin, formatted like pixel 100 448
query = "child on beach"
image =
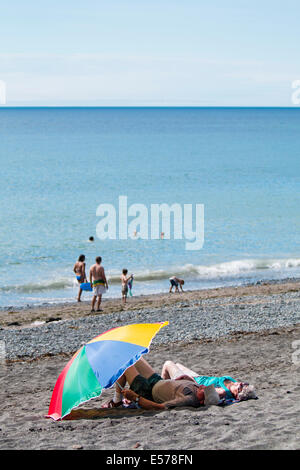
pixel 125 280
pixel 79 270
pixel 175 282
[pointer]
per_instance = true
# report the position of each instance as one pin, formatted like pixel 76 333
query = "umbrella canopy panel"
pixel 99 364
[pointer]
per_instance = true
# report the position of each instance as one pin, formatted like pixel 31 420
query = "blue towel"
pixel 86 286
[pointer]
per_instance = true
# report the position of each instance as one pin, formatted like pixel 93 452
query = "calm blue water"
pixel 59 164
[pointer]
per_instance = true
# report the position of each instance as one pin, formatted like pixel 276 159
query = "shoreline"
pixel 13 317
pixel 192 316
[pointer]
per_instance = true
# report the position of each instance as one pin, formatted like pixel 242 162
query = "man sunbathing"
pixel 226 386
pixel 151 392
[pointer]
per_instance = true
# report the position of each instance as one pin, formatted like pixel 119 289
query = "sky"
pixel 149 53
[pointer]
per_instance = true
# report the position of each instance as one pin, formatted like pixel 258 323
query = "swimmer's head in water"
pixel 91 239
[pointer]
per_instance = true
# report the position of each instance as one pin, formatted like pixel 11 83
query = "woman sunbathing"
pixel 150 391
pixel 226 386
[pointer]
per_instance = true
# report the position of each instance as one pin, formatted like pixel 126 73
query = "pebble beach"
pixel 247 332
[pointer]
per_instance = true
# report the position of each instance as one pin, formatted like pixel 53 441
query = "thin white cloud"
pixel 78 77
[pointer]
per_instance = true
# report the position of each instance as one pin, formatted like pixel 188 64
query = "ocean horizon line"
pixel 141 107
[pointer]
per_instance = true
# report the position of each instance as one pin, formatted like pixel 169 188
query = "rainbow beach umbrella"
pixel 98 364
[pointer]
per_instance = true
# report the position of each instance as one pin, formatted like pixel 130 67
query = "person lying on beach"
pixel 99 283
pixel 124 281
pixel 175 282
pixel 226 386
pixel 79 270
pixel 151 392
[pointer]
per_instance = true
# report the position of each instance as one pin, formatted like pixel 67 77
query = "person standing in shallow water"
pixel 98 282
pixel 125 280
pixel 79 270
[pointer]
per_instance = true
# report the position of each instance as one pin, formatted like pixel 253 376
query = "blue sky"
pixel 156 52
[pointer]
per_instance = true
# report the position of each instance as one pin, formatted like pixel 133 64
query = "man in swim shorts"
pixel 99 283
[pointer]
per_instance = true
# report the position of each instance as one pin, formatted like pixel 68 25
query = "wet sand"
pixel 19 317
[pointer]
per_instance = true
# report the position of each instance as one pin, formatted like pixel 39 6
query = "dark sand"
pixel 263 358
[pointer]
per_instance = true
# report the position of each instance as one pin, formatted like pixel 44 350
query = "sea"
pixel 58 165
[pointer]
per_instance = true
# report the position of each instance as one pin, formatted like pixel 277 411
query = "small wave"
pixel 239 267
pixel 146 275
pixel 226 270
pixel 220 270
pixel 39 287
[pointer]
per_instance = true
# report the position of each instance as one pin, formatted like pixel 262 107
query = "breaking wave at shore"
pixel 221 271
